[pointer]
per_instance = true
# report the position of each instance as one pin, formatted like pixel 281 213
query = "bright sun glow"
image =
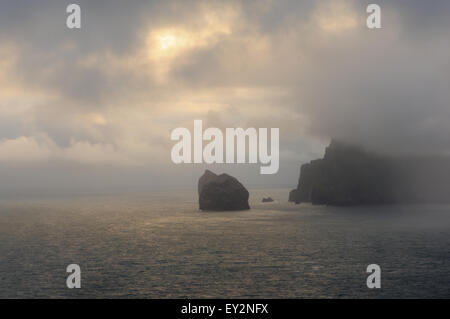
pixel 167 41
pixel 165 46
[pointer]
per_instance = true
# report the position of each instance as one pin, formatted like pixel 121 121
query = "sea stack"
pixel 221 193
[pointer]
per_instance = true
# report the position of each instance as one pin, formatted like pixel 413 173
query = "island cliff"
pixel 348 175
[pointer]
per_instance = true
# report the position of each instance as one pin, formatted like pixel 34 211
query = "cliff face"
pixel 348 175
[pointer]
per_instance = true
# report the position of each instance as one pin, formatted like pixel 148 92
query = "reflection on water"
pixel 159 245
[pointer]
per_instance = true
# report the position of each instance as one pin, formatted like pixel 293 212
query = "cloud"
pixel 336 16
pixel 28 149
pixel 111 92
pixel 23 149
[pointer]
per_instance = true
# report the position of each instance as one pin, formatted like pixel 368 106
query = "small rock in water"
pixel 267 200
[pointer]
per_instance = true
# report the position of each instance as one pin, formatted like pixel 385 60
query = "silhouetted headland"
pixel 221 193
pixel 348 175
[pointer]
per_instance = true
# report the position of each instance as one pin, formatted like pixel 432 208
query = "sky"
pixel 94 108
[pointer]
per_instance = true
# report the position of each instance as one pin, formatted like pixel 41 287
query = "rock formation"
pixel 221 193
pixel 348 175
pixel 267 200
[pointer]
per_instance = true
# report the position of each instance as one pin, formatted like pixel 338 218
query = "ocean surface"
pixel 159 245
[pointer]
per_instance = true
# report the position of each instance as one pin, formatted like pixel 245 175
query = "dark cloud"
pixel 276 66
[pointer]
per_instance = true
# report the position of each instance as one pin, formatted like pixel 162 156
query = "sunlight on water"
pixel 159 245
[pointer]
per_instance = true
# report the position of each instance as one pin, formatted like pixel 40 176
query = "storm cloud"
pixel 104 98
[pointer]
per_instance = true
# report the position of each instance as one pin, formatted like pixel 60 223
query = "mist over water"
pixel 159 245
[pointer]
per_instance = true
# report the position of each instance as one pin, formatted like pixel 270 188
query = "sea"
pixel 159 245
